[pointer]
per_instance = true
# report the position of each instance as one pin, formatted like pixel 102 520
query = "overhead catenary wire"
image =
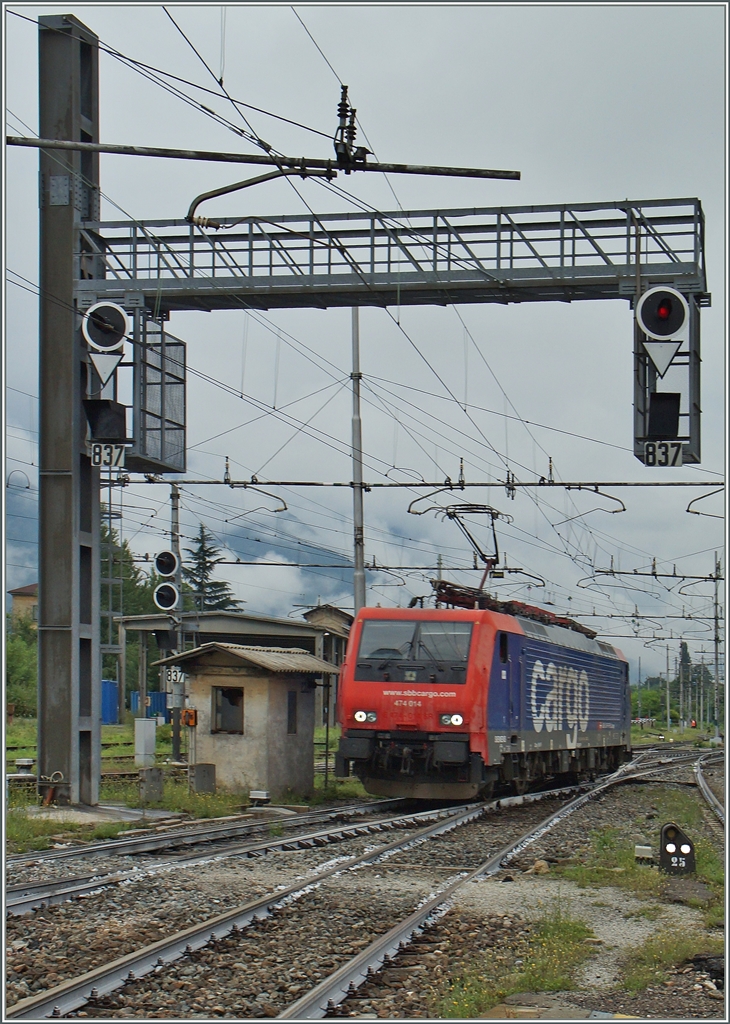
pixel 149 72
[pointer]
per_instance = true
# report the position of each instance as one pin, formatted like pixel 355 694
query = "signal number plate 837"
pixel 107 455
pixel 662 453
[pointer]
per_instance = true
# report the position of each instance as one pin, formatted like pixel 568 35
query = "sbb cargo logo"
pixel 566 703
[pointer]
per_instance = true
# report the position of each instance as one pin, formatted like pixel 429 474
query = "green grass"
pixel 320 738
pixel 176 797
pixel 337 789
pixel 648 963
pixel 651 912
pixel 610 859
pixel 23 832
pixel 551 956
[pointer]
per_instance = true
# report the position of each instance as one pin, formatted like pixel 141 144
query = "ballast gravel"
pixel 255 973
pixel 499 912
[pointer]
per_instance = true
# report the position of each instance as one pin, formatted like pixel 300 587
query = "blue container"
pixel 157 705
pixel 109 702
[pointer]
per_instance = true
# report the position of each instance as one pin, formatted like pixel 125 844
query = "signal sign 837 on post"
pixel 663 453
pixel 107 455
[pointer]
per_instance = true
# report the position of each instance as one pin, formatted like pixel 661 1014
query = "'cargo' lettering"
pixel 567 701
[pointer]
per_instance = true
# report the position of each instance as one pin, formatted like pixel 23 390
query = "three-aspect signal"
pixel 166 595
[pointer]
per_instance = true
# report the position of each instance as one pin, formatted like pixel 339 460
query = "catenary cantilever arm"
pixel 279 173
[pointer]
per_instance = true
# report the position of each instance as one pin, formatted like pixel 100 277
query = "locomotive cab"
pixel 410 705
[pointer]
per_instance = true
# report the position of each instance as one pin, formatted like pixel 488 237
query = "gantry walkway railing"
pixel 506 254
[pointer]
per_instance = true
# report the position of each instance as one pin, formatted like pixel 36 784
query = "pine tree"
pixel 208 594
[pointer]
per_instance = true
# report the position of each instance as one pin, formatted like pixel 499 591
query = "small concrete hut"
pixel 255 710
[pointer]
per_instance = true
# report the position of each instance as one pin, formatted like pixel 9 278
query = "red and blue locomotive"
pixel 447 703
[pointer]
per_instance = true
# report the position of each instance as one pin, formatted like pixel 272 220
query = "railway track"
pixel 208 833
pixel 155 959
pixel 22 898
pixel 75 992
pixel 325 998
pixel 216 934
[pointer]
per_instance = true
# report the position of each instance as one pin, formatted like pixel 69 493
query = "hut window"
pixel 227 709
pixel 291 712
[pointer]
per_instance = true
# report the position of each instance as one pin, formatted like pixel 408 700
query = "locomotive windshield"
pixel 404 650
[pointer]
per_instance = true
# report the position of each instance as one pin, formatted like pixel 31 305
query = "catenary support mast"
pixel 359 538
pixel 69 663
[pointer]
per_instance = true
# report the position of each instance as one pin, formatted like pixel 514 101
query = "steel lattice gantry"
pixel 508 254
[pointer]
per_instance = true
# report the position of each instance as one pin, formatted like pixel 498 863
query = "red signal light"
pixel 664 309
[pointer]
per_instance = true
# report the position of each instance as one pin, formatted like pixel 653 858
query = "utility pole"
pixel 638 687
pixel 669 720
pixel 702 691
pixel 356 376
pixel 717 654
pixel 69 658
pixel 177 688
pixel 678 676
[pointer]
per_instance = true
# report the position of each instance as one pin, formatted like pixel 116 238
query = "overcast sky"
pixel 592 103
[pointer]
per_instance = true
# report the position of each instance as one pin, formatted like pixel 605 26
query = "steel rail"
pixel 332 990
pixel 211 833
pixel 21 899
pixel 716 806
pixel 72 994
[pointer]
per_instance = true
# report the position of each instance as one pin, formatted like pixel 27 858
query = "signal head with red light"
pixel 662 314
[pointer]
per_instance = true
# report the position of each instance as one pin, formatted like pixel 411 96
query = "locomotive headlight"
pixel 451 719
pixel 365 716
pixel 456 720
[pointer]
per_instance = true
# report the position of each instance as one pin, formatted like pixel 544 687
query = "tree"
pixel 117 562
pixel 208 594
pixel 21 661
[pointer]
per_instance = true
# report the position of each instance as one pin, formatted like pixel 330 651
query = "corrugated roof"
pixel 272 659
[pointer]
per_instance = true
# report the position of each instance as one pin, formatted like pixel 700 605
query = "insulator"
pixel 206 222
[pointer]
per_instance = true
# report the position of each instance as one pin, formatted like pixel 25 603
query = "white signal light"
pixel 671 848
pixel 166 596
pixel 685 848
pixel 166 563
pixel 105 326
